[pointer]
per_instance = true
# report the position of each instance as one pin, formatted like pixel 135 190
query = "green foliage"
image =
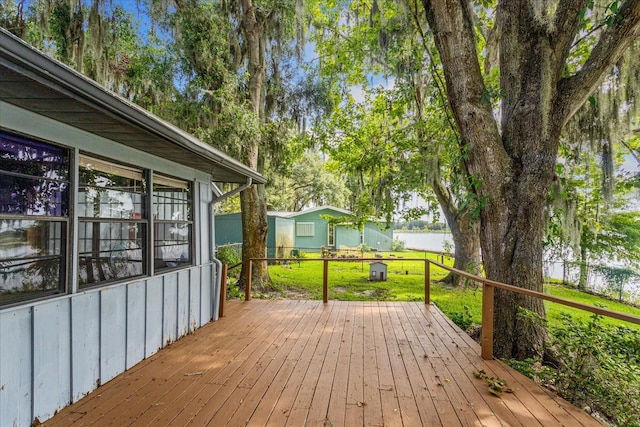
pixel 234 292
pixel 462 318
pixel 230 254
pixel 618 238
pixel 420 225
pixel 599 368
pixel 617 277
pixel 398 139
pixel 398 245
pixel 307 181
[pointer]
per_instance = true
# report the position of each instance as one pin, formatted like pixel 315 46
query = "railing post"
pixel 487 322
pixel 325 281
pixel 247 287
pixel 427 282
pixel 223 289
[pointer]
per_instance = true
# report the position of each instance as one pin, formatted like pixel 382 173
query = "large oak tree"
pixel 512 154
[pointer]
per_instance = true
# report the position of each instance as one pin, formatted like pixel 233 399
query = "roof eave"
pixel 50 71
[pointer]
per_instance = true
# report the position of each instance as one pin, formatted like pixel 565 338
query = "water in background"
pixel 440 241
pixel 426 241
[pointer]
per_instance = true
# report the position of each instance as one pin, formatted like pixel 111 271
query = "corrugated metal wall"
pixel 53 353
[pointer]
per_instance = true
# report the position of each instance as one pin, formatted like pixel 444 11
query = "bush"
pixel 599 368
pixel 230 254
pixel 462 319
pixel 398 245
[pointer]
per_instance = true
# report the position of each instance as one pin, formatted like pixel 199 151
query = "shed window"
pixel 34 215
pixel 112 221
pixel 173 223
pixel 305 229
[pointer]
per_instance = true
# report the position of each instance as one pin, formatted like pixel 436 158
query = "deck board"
pixel 304 363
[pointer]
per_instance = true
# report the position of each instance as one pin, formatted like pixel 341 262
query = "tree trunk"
pixel 466 239
pixel 465 232
pixel 584 269
pixel 254 238
pixel 252 200
pixel 512 165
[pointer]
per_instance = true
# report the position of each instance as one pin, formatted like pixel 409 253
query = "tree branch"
pixel 573 91
pixel 633 152
pixel 565 27
pixel 454 34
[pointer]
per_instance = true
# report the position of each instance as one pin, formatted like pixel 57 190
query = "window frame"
pixel 305 229
pixel 168 181
pixel 62 219
pixel 64 251
pixel 142 226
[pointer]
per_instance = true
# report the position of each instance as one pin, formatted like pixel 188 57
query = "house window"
pixel 112 221
pixel 305 229
pixel 173 223
pixel 34 215
pixel 332 235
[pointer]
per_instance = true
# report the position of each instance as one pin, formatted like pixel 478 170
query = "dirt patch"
pixel 378 294
pixel 296 294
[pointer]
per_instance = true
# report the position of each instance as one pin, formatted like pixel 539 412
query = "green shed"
pixel 313 231
pixel 280 234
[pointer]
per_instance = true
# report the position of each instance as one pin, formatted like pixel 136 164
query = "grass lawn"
pixel 348 281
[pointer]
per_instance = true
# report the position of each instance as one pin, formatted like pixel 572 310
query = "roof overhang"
pixel 31 80
pixel 320 208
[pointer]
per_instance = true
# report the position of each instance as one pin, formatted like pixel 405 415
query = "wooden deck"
pixel 286 362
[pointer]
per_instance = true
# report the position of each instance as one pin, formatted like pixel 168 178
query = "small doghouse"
pixel 378 271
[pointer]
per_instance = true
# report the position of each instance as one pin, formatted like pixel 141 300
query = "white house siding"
pixel 55 351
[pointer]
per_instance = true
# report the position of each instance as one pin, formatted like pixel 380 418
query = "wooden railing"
pixel 488 290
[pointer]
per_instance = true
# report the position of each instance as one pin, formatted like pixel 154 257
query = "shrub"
pixel 462 319
pixel 398 245
pixel 230 254
pixel 599 368
pixel 365 248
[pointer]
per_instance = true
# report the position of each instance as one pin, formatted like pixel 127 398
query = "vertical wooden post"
pixel 487 322
pixel 325 281
pixel 427 282
pixel 247 287
pixel 223 289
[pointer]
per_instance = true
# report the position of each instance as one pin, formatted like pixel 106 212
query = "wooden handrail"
pixel 590 308
pixel 488 290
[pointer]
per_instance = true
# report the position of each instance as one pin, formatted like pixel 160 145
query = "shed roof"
pixel 320 208
pixel 33 81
